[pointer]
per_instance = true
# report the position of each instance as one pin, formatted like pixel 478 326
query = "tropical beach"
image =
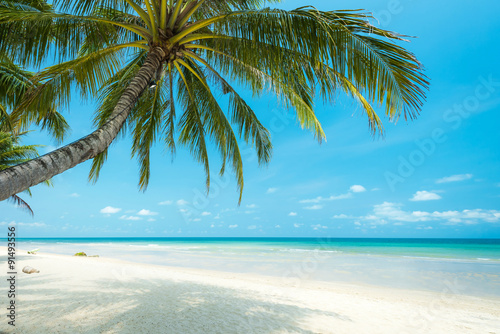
pixel 249 166
pixel 75 294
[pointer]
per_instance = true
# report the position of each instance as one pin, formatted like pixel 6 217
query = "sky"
pixel 437 176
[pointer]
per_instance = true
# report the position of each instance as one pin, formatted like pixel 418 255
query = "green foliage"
pixel 14 83
pixel 11 154
pixel 302 56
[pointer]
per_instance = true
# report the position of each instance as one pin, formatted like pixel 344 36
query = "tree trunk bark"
pixel 19 178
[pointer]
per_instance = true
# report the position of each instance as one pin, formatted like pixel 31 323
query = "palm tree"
pixel 11 154
pixel 14 82
pixel 166 68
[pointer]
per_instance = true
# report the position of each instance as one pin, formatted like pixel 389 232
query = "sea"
pixel 461 266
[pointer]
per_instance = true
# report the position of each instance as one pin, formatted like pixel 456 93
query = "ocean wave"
pixel 449 259
pixel 301 250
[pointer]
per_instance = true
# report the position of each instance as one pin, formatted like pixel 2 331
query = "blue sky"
pixel 437 176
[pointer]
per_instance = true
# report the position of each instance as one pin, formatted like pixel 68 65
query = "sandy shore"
pixel 102 295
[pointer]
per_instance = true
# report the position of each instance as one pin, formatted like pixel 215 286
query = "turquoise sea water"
pixel 467 266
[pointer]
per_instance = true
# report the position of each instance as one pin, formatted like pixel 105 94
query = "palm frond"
pixel 346 41
pixel 54 85
pixel 192 133
pixel 18 201
pixel 109 95
pixel 216 124
pixel 29 37
pixel 147 122
pixel 242 115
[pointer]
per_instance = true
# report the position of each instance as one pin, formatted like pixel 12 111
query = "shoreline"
pixel 292 280
pixel 308 260
pixel 106 295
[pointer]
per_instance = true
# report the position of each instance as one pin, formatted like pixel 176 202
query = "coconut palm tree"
pixel 11 154
pixel 14 82
pixel 168 70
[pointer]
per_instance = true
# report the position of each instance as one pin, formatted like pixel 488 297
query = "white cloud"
pixel 182 202
pixel 425 196
pixel 217 217
pixel 251 206
pixel 110 210
pixel 165 203
pixel 74 195
pixel 271 190
pixel 151 220
pixel 341 216
pixel 382 213
pixel 277 226
pixel 32 224
pixel 357 188
pixel 331 198
pixel 145 212
pixel 196 220
pixel 318 226
pixel 212 226
pixel 357 223
pixel 233 226
pixel 206 213
pixel 353 189
pixel 252 227
pixel 292 214
pixel 392 211
pixel 125 217
pixel 314 207
pixel 297 225
pixel 454 178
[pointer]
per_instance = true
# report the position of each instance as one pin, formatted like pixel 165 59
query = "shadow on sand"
pixel 52 305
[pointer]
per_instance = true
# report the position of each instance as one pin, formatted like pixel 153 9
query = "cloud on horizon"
pixel 314 207
pixel 425 196
pixel 125 217
pixel 35 224
pixel 393 212
pixel 357 188
pixel 352 189
pixel 145 212
pixel 455 178
pixel 110 210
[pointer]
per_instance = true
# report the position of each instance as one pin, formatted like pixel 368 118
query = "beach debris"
pixel 84 254
pixel 80 254
pixel 30 270
pixel 33 251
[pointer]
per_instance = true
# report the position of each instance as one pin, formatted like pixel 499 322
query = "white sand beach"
pixel 103 295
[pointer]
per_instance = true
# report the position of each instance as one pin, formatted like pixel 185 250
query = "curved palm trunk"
pixel 19 178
